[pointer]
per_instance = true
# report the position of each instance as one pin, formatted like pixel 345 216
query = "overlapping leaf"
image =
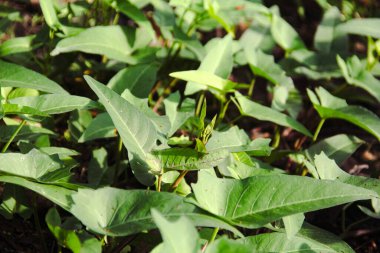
pixel 258 200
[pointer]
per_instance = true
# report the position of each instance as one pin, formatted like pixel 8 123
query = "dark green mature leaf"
pixel 129 9
pixel 6 109
pixel 260 112
pixel 363 26
pixel 26 133
pixel 356 74
pixel 206 80
pixel 224 245
pixel 17 45
pixel 218 61
pixel 327 38
pixel 328 169
pixel 284 34
pixel 139 79
pixel 59 195
pixel 329 106
pixel 161 123
pixel 99 173
pixel 12 75
pixel 236 140
pixel 115 42
pixel 338 147
pixel 117 212
pixel 15 201
pixel 310 239
pixel 137 131
pixel 78 242
pixel 187 159
pixel 293 224
pixel 55 103
pixel 50 15
pixel 100 127
pixel 35 165
pixel 258 200
pixel 178 116
pixel 179 236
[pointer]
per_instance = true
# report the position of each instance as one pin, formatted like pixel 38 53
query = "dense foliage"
pixel 188 125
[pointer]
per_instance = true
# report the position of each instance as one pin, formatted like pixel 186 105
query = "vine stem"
pixel 174 186
pixel 165 92
pixel 199 105
pixel 213 235
pixel 159 181
pixel 118 159
pixel 251 87
pixel 13 136
pixel 319 127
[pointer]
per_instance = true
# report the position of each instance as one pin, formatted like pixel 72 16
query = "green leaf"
pixel 179 236
pixel 137 131
pixel 190 43
pixel 129 9
pixel 206 79
pixel 26 133
pixel 6 109
pixel 99 173
pixel 15 201
pixel 293 224
pixel 258 200
pixel 178 116
pixel 356 74
pixel 329 106
pixel 310 239
pixel 118 212
pixel 327 38
pixel 59 195
pixel 50 15
pixel 161 123
pixel 139 79
pixel 187 159
pixel 76 241
pixel 55 103
pixel 362 26
pixel 115 42
pixel 12 75
pixel 17 45
pixel 218 61
pixel 285 35
pixel 213 8
pixel 163 14
pixel 260 112
pixel 100 127
pixel 224 245
pixel 35 165
pixel 236 140
pixel 338 147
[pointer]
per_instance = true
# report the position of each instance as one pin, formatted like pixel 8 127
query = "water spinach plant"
pixel 187 126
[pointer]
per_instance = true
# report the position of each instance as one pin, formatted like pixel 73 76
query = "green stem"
pixel 159 180
pixel 116 18
pixel 319 127
pixel 222 112
pixel 199 105
pixel 166 92
pixel 13 136
pixel 251 87
pixel 118 159
pixel 277 137
pixel 213 236
pixel 174 186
